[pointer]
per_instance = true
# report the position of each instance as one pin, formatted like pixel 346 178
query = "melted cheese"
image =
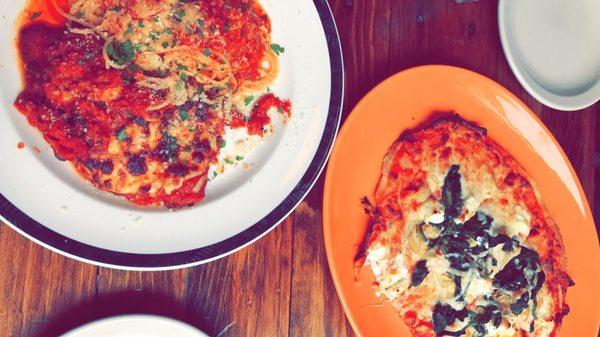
pixel 477 289
pixel 387 270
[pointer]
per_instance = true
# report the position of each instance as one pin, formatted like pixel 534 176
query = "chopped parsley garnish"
pixel 122 135
pixel 179 14
pixel 239 158
pixel 129 28
pixel 182 67
pixel 156 19
pixel 207 52
pixel 183 77
pixel 200 23
pixel 140 23
pixel 184 115
pixel 248 100
pixel 223 143
pixel 278 49
pixel 121 53
pixel 228 161
pixel 153 35
pixel 165 44
pixel 35 15
pixel 81 62
pixel 188 29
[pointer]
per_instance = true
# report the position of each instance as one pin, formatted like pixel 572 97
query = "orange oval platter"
pixel 408 99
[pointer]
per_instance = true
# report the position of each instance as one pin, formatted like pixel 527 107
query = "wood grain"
pixel 315 309
pixel 248 293
pixel 39 288
pixel 280 285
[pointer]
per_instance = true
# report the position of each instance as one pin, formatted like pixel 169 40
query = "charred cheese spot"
pixel 136 165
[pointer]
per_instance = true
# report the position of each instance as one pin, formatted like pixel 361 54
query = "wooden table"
pixel 280 286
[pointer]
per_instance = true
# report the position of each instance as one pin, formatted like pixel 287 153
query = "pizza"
pixel 459 241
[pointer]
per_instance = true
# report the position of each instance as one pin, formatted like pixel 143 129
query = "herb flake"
pixel 122 135
pixel 278 49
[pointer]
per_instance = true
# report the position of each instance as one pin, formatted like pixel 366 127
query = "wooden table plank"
pixel 245 294
pixel 315 309
pixel 39 288
pixel 281 286
pixel 159 293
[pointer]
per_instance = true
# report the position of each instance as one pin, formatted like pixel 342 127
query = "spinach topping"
pixel 457 285
pixel 521 304
pixel 468 248
pixel 444 315
pixel 504 240
pixel 463 244
pixel 419 273
pixel 486 314
pixel 451 193
pixel 520 272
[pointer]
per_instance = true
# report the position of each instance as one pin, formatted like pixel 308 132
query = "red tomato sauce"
pixel 259 117
pixel 80 106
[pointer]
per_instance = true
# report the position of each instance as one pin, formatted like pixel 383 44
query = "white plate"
pixel 136 326
pixel 46 201
pixel 553 48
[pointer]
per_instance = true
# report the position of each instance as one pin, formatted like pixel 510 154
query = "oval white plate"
pixel 553 48
pixel 46 201
pixel 136 326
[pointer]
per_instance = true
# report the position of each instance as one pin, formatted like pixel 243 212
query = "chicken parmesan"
pixel 459 241
pixel 137 94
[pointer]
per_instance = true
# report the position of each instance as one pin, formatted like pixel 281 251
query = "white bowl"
pixel 135 326
pixel 553 48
